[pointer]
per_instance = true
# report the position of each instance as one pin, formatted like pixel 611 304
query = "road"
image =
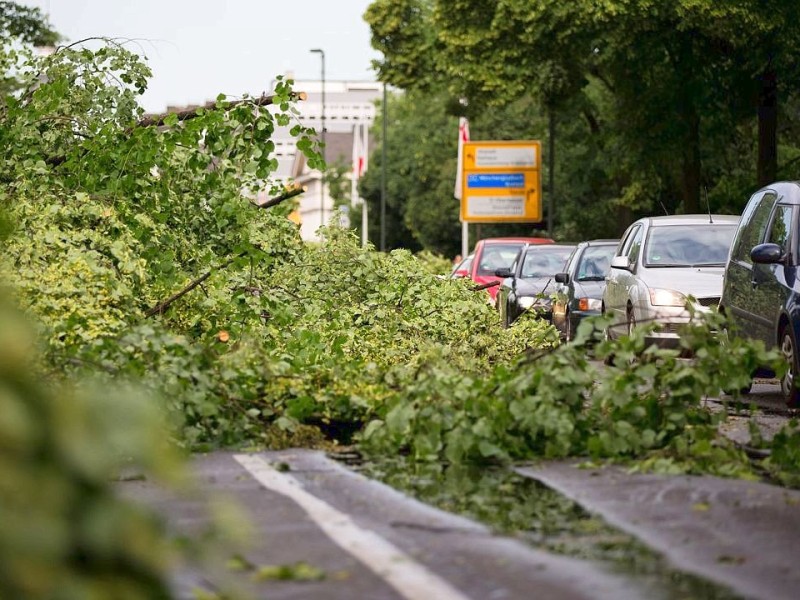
pixel 370 541
pixel 770 415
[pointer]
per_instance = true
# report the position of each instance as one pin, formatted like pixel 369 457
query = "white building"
pixel 347 103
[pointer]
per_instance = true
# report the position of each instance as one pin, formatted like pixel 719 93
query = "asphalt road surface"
pixel 370 541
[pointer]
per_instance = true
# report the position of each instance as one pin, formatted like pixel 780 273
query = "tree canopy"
pixel 679 97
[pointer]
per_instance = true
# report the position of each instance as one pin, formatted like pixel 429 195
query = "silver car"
pixel 659 263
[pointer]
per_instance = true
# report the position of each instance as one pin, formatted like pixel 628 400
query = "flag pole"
pixel 463 136
pixel 364 143
pixel 360 157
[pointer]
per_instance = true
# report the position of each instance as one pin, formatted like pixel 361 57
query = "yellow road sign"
pixel 502 182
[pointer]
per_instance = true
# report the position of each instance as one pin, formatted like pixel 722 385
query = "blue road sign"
pixel 496 180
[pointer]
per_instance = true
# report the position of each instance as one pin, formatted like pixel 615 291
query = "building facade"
pixel 347 105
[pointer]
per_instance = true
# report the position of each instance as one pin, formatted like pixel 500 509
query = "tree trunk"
pixel 691 160
pixel 767 168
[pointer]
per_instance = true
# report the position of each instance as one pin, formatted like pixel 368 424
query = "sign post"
pixel 502 182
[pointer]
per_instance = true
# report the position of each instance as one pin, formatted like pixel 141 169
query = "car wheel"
pixel 789 380
pixel 568 335
pixel 609 358
pixel 631 320
pixel 504 317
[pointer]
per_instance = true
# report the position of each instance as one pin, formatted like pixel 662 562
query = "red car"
pixel 497 253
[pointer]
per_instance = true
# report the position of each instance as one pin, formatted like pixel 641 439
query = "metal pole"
pixel 383 174
pixel 551 175
pixel 324 153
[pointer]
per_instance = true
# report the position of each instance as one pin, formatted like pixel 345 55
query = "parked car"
pixel 491 254
pixel 462 268
pixel 761 291
pixel 530 281
pixel 579 293
pixel 659 263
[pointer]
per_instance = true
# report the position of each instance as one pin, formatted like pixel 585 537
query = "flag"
pixel 463 136
pixel 360 158
pixel 360 150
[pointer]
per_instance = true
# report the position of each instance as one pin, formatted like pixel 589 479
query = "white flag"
pixel 463 136
pixel 360 149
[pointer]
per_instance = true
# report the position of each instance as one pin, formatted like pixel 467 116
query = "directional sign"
pixel 496 180
pixel 501 182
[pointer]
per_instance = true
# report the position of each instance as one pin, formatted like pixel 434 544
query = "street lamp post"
pixel 322 177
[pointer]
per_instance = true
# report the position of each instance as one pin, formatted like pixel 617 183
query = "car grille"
pixel 712 301
pixel 670 327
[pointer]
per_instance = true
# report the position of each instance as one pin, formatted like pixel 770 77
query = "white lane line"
pixel 408 577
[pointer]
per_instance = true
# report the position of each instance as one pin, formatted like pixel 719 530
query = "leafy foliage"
pixel 64 532
pixel 141 258
pixel 25 24
pixel 646 405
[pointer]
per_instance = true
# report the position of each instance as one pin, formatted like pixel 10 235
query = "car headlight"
pixel 660 297
pixel 527 302
pixel 590 304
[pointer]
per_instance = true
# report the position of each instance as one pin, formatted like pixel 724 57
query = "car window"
pixel 627 239
pixel 634 247
pixel 544 261
pixel 754 225
pixel 781 227
pixel 594 263
pixel 572 260
pixel 497 256
pixel 705 244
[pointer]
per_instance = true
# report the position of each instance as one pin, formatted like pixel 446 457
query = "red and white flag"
pixel 463 136
pixel 360 150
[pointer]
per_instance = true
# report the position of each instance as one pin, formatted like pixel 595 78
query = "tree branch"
pixel 159 308
pixel 483 286
pixel 186 115
pixel 289 193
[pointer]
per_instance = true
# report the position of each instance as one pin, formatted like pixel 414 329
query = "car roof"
pixel 698 219
pixel 500 240
pixel 599 242
pixel 543 247
pixel 789 190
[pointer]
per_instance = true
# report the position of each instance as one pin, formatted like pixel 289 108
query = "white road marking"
pixel 408 577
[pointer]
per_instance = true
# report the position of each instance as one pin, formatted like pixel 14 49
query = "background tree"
pixel 21 26
pixel 420 179
pixel 665 115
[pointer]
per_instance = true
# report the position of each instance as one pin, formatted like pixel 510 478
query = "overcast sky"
pixel 199 48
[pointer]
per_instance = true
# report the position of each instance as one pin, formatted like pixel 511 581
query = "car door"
pixel 740 294
pixel 621 280
pixel 505 294
pixel 565 292
pixel 769 282
pixel 611 294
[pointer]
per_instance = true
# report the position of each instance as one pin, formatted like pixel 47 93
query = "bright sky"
pixel 199 48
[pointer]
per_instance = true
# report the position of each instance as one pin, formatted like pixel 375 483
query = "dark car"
pixel 530 281
pixel 579 293
pixel 761 288
pixel 491 254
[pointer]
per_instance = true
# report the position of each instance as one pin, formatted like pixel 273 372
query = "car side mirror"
pixel 504 272
pixel 766 254
pixel 621 262
pixel 562 278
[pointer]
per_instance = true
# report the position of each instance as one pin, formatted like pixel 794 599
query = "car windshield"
pixel 463 265
pixel 701 245
pixel 544 261
pixel 497 256
pixel 595 263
